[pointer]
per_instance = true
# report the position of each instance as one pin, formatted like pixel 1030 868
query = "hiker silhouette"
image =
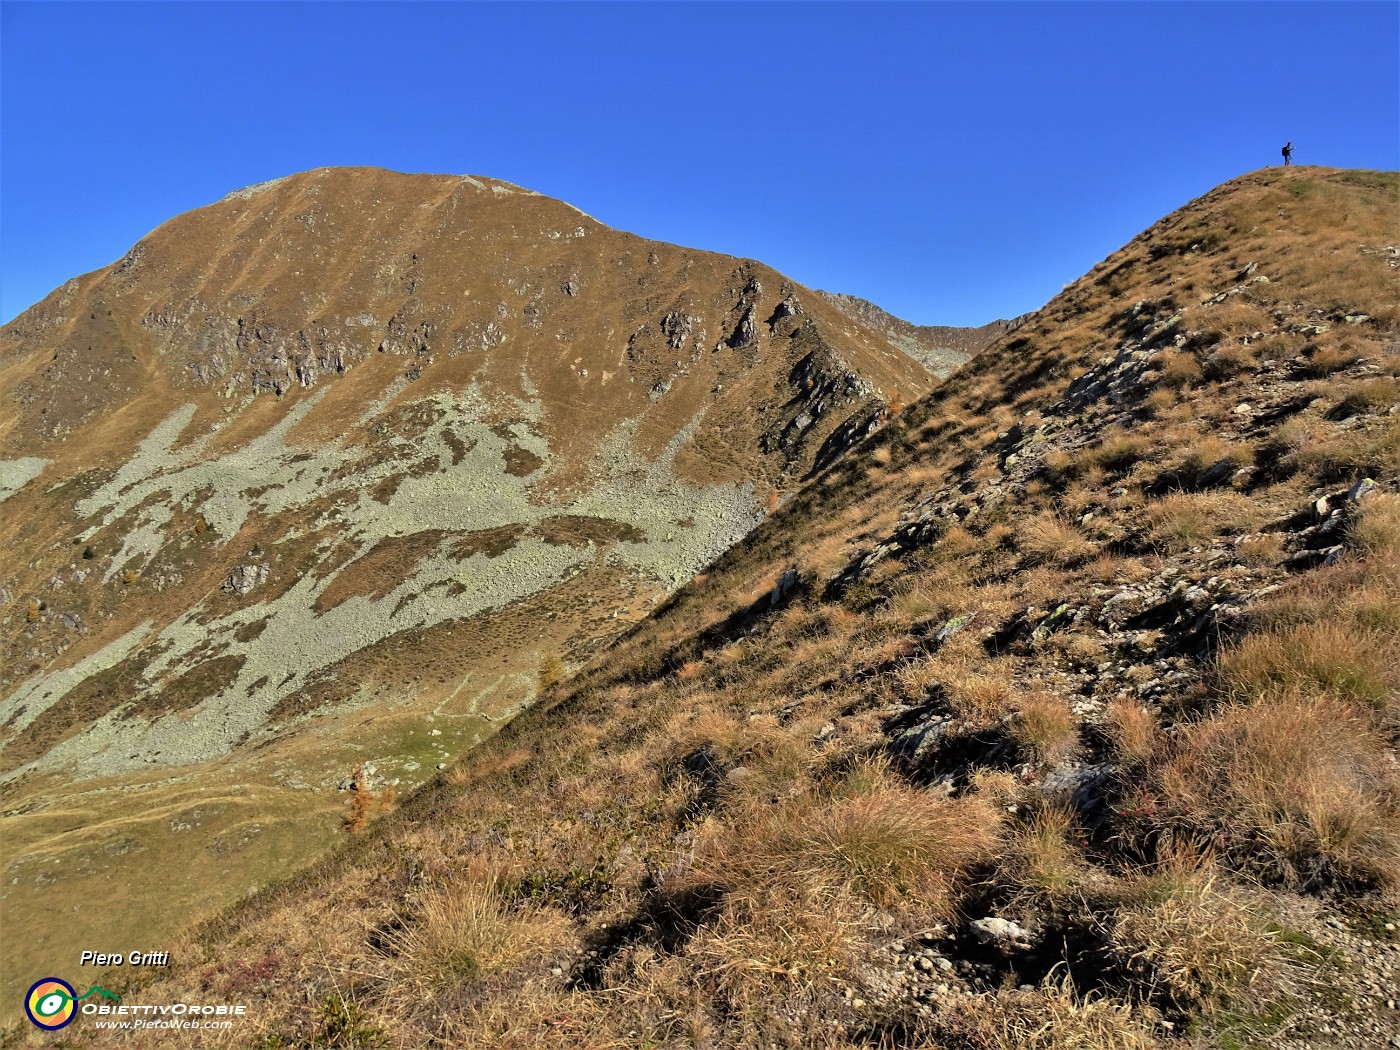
pixel 1287 154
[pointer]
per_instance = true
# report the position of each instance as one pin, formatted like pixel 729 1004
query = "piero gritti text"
pixel 137 958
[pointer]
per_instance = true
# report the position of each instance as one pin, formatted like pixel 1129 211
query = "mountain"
pixel 1061 712
pixel 939 348
pixel 315 485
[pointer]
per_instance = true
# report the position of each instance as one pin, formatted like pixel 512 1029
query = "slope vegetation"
pixel 1063 714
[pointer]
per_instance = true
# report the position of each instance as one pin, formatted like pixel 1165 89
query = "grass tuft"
pixel 1192 941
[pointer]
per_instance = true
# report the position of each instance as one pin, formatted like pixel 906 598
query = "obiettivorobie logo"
pixel 52 1004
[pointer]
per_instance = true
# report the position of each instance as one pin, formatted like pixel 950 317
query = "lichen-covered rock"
pixel 245 577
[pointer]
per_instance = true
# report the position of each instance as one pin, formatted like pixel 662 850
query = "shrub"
pixel 361 802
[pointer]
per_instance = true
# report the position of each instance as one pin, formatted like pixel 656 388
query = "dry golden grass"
pixel 1041 859
pixel 1377 529
pixel 1160 401
pixel 778 769
pixel 1368 396
pixel 1176 369
pixel 1053 1017
pixel 1327 358
pixel 1228 360
pixel 1059 464
pixel 1050 538
pixel 1335 634
pixel 1115 451
pixel 1301 786
pixel 1262 549
pixel 1133 729
pixel 1081 650
pixel 1350 455
pixel 1203 451
pixel 775 948
pixel 1237 317
pixel 1182 520
pixel 1046 727
pixel 888 844
pixel 1192 940
pixel 981 696
pixel 461 935
pixel 1331 658
pixel 957 542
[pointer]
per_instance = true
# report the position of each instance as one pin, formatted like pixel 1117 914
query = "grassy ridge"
pixel 1060 715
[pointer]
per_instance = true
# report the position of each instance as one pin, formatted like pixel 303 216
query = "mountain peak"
pixel 353 453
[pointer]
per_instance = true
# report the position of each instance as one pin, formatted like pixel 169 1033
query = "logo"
pixel 52 1004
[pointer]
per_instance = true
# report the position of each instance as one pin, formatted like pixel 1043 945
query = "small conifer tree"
pixel 551 671
pixel 361 800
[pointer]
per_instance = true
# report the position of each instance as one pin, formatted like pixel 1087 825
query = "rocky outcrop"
pixel 821 381
pixel 245 577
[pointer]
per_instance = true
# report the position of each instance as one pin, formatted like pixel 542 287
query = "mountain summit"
pixel 324 476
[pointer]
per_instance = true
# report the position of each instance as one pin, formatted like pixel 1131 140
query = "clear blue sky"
pixel 952 162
